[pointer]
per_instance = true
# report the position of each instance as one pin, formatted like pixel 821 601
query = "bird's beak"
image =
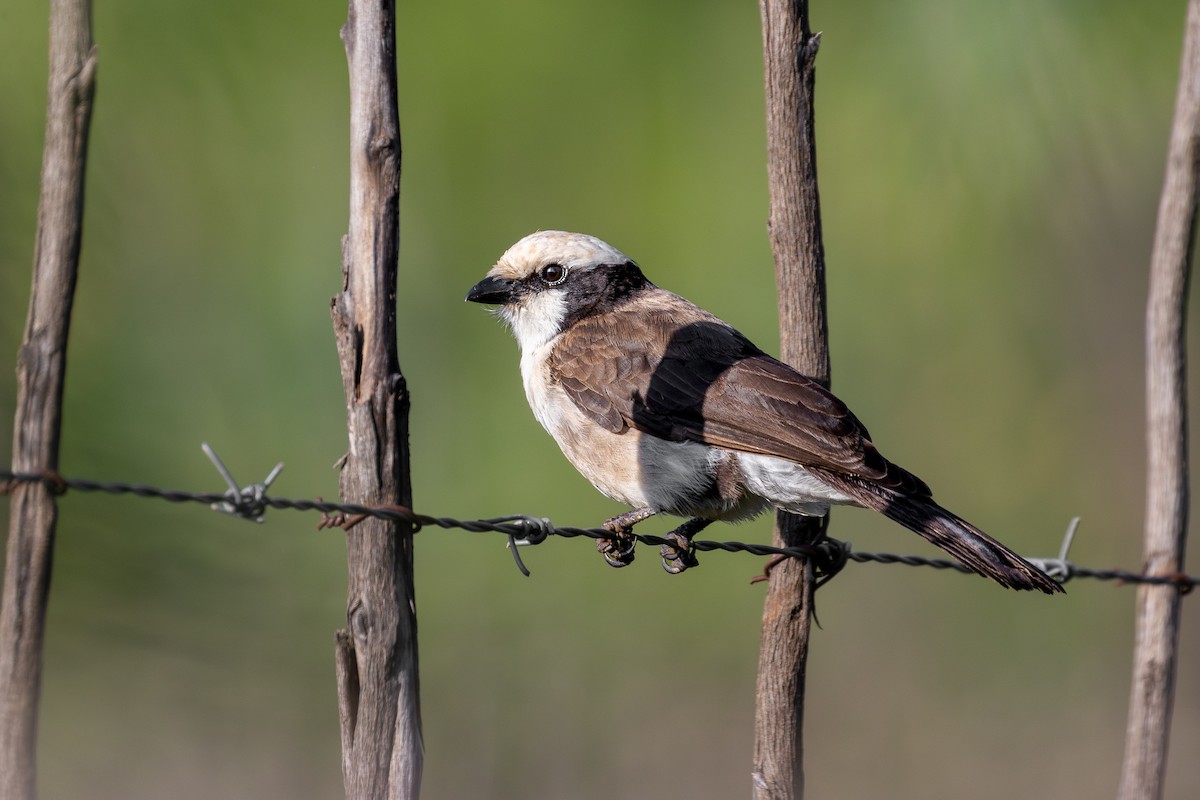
pixel 497 291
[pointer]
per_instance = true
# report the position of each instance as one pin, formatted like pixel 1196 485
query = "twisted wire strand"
pixel 250 502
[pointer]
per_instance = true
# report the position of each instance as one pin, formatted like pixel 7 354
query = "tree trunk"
pixel 1159 607
pixel 377 676
pixel 789 49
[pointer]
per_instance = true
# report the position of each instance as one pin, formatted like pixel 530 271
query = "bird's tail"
pixel 971 546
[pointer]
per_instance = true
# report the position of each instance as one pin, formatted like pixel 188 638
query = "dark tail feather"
pixel 971 546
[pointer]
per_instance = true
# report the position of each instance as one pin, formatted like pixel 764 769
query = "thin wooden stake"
pixel 789 50
pixel 1148 729
pixel 41 368
pixel 376 656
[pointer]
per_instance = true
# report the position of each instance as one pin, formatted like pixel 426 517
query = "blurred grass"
pixel 989 182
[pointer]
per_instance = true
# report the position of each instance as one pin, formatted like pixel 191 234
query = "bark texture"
pixel 41 368
pixel 376 655
pixel 1158 607
pixel 789 50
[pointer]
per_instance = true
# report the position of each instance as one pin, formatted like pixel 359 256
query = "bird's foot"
pixel 618 551
pixel 679 553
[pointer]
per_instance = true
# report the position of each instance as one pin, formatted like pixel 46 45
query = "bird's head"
pixel 551 279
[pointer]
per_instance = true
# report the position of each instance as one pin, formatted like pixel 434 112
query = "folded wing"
pixel 705 382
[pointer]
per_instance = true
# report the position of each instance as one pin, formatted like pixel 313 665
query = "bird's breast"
pixel 609 460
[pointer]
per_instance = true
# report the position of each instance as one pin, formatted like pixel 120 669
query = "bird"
pixel 668 409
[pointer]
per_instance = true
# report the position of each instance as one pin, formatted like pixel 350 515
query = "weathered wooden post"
pixel 41 368
pixel 378 680
pixel 789 50
pixel 1159 607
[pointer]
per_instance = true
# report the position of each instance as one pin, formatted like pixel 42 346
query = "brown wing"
pixel 680 374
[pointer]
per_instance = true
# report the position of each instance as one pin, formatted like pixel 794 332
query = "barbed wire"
pixel 828 556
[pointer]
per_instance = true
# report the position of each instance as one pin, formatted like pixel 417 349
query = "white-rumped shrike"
pixel 664 407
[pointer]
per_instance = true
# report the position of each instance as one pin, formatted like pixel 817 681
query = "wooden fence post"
pixel 1158 607
pixel 789 49
pixel 377 676
pixel 41 367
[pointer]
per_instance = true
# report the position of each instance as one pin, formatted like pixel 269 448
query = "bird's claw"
pixel 618 551
pixel 679 553
pixel 618 548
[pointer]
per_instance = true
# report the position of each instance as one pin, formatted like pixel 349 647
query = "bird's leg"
pixel 679 553
pixel 618 551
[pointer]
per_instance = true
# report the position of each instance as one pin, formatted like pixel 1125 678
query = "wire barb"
pixel 247 502
pixel 539 529
pixel 1060 569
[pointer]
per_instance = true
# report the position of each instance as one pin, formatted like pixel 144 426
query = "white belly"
pixel 787 485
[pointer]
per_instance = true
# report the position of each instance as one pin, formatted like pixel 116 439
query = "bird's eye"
pixel 553 274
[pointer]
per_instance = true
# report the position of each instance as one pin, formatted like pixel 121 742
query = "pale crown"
pixel 571 250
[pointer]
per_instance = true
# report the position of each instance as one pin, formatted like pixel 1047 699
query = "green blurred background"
pixel 989 177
